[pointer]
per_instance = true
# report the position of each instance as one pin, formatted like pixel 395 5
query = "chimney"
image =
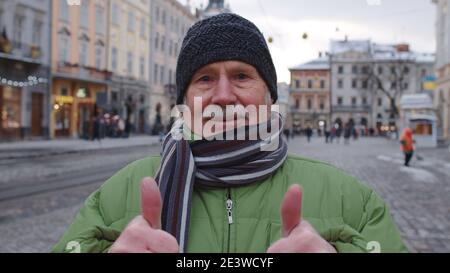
pixel 402 47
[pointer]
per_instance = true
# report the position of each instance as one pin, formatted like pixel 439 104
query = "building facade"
pixel 24 68
pixel 213 8
pixel 79 74
pixel 128 54
pixel 170 21
pixel 442 97
pixel 361 70
pixel 310 94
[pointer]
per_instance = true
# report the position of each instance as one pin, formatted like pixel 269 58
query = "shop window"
pixel 10 108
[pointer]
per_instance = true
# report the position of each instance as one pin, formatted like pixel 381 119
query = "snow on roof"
pixel 338 47
pixel 380 52
pixel 322 63
pixel 416 101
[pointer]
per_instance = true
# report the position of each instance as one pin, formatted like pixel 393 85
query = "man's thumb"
pixel 151 203
pixel 291 209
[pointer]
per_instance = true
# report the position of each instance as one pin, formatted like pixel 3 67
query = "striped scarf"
pixel 212 164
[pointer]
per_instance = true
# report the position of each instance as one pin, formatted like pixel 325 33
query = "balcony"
pixel 352 108
pixel 304 111
pixel 77 72
pixel 19 51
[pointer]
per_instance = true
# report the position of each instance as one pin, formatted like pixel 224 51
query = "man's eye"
pixel 242 76
pixel 205 79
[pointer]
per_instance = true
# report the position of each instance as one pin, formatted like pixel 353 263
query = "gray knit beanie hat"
pixel 224 37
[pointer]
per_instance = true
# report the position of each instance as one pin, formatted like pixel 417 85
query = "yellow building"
pixel 310 94
pixel 128 59
pixel 170 22
pixel 80 78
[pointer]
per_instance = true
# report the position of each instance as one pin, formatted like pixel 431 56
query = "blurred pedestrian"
pixel 327 135
pixel 287 133
pixel 347 133
pixel 407 145
pixel 309 133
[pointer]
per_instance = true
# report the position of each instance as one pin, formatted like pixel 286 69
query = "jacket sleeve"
pixel 88 232
pixel 376 233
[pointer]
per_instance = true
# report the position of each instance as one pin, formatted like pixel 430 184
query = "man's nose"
pixel 223 93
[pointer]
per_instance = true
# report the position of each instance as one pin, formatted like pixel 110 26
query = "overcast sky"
pixel 383 21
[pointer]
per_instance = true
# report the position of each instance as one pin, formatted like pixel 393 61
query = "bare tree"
pixel 391 86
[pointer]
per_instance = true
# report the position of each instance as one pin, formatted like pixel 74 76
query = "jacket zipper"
pixel 229 209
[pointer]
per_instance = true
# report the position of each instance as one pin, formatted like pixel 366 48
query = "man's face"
pixel 229 83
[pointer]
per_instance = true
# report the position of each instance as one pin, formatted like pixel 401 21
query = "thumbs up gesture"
pixel 144 234
pixel 298 235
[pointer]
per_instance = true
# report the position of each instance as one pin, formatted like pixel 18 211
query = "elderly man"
pixel 230 195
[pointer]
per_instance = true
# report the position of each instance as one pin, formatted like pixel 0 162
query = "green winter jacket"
pixel 346 213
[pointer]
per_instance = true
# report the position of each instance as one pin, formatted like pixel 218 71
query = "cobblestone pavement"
pixel 419 197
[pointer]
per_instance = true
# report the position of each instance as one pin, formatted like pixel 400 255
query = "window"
pixel 157 14
pixel 130 21
pixel 405 86
pixel 130 63
pixel 176 50
pixel 99 27
pixel 297 103
pixel 156 40
pixel 340 100
pixel 63 10
pixel 365 70
pixel 364 101
pixel 380 70
pixel 310 84
pixel 84 14
pixel 163 43
pixel 114 96
pixel 380 102
pixel 142 67
pixel 37 32
pixel 393 71
pixel 143 28
pixel 162 75
pixel 18 30
pixel 309 103
pixel 394 85
pixel 170 47
pixel 114 58
pixel 340 84
pixel 10 108
pixel 155 74
pixel 83 53
pixel 99 57
pixel 354 101
pixel 115 14
pixel 63 48
pixel 354 69
pixel 354 83
pixel 406 70
pixel 322 84
pixel 322 104
pixel 341 69
pixel 297 84
pixel 163 17
pixel 365 84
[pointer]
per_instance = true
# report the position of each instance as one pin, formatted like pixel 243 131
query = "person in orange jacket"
pixel 407 144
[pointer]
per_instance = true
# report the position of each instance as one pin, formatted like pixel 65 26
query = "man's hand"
pixel 298 235
pixel 144 234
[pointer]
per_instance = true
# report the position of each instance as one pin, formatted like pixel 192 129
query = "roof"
pixel 322 63
pixel 416 101
pixel 337 47
pixel 380 52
